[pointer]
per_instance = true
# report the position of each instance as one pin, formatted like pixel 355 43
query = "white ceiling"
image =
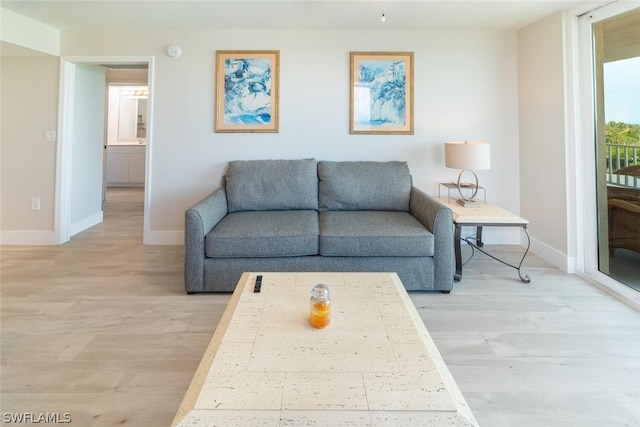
pixel 290 14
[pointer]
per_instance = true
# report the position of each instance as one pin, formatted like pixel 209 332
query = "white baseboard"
pixel 28 238
pixel 497 235
pixel 553 256
pixel 85 223
pixel 48 237
pixel 164 237
pixel 515 236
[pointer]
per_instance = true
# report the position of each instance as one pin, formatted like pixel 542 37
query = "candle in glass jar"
pixel 320 310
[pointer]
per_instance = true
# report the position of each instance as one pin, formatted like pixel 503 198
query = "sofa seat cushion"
pixel 264 234
pixel 373 233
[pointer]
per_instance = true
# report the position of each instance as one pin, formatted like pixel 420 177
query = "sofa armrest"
pixel 439 220
pixel 199 221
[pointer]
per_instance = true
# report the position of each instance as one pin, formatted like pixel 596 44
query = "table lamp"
pixel 467 156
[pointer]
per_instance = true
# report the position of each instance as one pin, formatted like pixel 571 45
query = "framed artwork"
pixel 247 90
pixel 381 99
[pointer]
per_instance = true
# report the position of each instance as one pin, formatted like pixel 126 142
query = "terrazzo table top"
pixel 484 213
pixel 374 365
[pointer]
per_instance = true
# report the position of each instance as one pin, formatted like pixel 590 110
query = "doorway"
pixel 611 36
pixel 126 142
pixel 126 126
pixel 66 178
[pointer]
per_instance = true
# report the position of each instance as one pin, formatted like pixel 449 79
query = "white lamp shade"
pixel 471 155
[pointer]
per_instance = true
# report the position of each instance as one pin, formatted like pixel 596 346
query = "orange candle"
pixel 320 314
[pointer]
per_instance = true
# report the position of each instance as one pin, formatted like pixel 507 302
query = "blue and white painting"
pixel 380 96
pixel 247 91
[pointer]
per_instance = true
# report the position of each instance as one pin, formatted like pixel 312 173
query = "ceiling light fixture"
pixel 136 93
pixel 383 18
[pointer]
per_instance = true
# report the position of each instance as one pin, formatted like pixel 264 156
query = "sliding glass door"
pixel 616 71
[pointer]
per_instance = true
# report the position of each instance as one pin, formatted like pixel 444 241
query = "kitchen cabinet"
pixel 126 165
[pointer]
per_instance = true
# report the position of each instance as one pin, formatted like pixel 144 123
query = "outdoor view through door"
pixel 617 74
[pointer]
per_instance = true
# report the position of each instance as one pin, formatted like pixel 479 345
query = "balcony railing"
pixel 620 156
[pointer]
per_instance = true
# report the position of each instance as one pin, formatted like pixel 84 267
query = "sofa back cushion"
pixel 261 185
pixel 371 186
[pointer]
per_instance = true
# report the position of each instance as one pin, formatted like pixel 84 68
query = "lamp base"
pixel 468 203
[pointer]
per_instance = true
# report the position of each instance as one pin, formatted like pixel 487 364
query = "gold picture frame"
pixel 247 91
pixel 381 98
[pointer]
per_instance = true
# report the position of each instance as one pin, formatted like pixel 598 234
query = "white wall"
pixel 465 88
pixel 29 102
pixel 543 161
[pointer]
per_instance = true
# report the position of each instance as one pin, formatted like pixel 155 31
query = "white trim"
pixel 82 225
pixel 65 142
pixel 553 256
pixel 618 290
pixel 496 235
pixel 607 9
pixel 28 238
pixel 175 237
pixel 567 262
pixel 587 7
pixel 588 240
pixel 502 235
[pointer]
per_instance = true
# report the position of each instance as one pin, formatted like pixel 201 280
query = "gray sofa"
pixel 309 215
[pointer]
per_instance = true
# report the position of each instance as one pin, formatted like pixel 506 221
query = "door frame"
pixel 583 135
pixel 64 149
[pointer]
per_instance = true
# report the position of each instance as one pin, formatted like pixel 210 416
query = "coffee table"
pixel 374 365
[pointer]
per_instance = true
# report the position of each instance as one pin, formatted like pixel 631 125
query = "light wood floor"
pixel 101 328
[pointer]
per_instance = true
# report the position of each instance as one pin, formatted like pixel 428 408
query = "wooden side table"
pixel 484 215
